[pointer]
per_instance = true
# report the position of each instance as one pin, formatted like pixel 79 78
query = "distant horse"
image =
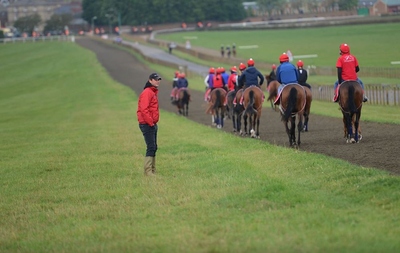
pixel 307 108
pixel 183 101
pixel 273 93
pixel 272 89
pixel 252 102
pixel 350 102
pixel 238 112
pixel 216 106
pixel 292 103
pixel 230 107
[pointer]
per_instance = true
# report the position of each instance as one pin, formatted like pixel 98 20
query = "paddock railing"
pixel 379 94
pixel 37 39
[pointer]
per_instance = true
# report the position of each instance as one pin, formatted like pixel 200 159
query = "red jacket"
pixel 348 63
pixel 218 81
pixel 232 81
pixel 148 112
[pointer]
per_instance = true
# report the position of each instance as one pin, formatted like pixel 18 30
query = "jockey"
pixel 303 75
pixel 232 79
pixel 182 83
pixel 242 68
pixel 224 75
pixel 218 80
pixel 286 72
pixel 251 75
pixel 208 81
pixel 174 84
pixel 272 74
pixel 347 68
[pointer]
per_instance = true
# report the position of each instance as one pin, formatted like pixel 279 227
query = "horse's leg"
pixel 293 130
pixel 245 123
pixel 356 125
pixel 299 129
pixel 305 126
pixel 258 126
pixel 349 129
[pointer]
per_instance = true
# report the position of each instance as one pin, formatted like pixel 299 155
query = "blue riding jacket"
pixel 287 73
pixel 251 75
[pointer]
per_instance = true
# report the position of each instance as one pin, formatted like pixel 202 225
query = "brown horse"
pixel 273 93
pixel 230 107
pixel 307 108
pixel 292 103
pixel 216 106
pixel 238 112
pixel 183 101
pixel 272 89
pixel 252 102
pixel 350 102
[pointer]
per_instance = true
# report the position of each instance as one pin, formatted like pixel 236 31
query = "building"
pixel 379 7
pixel 12 10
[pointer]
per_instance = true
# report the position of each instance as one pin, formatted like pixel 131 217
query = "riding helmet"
pixel 344 48
pixel 283 58
pixel 242 66
pixel 250 62
pixel 300 63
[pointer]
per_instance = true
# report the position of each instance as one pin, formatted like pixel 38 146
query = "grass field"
pixel 71 175
pixel 373 44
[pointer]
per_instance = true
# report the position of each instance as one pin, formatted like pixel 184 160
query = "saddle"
pixel 278 97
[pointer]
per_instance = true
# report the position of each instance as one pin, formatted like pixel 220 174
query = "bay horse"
pixel 292 104
pixel 238 112
pixel 272 89
pixel 350 102
pixel 273 93
pixel 307 108
pixel 183 101
pixel 230 107
pixel 216 106
pixel 252 102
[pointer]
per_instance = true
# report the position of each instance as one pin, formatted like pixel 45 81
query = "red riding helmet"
pixel 273 66
pixel 211 71
pixel 242 66
pixel 233 69
pixel 300 63
pixel 344 48
pixel 219 70
pixel 182 75
pixel 283 58
pixel 176 73
pixel 250 62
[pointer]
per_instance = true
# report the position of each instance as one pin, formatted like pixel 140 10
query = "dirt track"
pixel 379 147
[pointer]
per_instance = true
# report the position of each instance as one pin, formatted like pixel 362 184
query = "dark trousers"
pixel 150 137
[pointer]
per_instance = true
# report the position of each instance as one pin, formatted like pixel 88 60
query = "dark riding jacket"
pixel 250 76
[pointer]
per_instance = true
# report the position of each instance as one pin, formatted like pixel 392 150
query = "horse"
pixel 273 93
pixel 292 103
pixel 350 102
pixel 272 89
pixel 230 107
pixel 237 112
pixel 216 106
pixel 183 101
pixel 307 108
pixel 252 102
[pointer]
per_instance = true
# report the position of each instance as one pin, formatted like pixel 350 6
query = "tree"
pixel 347 4
pixel 28 24
pixel 57 22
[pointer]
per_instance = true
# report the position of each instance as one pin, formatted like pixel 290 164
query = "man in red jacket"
pixel 148 115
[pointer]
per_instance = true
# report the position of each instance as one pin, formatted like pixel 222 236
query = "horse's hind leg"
pixel 293 131
pixel 258 129
pixel 299 129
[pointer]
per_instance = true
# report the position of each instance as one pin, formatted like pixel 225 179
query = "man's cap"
pixel 154 76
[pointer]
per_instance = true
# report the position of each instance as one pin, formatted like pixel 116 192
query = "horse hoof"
pixel 352 140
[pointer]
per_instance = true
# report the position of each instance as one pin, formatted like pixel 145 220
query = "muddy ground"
pixel 379 147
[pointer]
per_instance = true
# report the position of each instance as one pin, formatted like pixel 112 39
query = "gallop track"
pixel 379 148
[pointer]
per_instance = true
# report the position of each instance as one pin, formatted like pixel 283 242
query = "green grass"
pixel 71 175
pixel 371 43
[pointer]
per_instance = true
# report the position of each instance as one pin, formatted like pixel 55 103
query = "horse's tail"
pixel 350 101
pixel 250 107
pixel 217 103
pixel 291 104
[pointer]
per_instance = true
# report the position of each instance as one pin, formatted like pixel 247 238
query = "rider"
pixel 303 75
pixel 174 83
pixel 182 83
pixel 218 80
pixel 208 81
pixel 347 68
pixel 286 72
pixel 232 79
pixel 272 74
pixel 251 75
